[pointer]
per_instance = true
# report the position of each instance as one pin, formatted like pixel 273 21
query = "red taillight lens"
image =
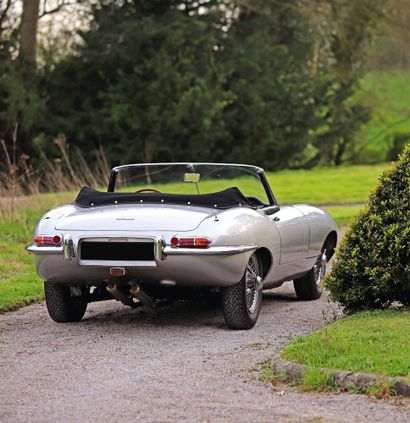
pixel 57 239
pixel 48 240
pixel 187 242
pixel 194 242
pixel 202 242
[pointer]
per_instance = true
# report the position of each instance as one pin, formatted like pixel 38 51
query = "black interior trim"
pixel 231 197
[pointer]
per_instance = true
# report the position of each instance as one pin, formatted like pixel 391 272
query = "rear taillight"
pixel 192 242
pixel 48 240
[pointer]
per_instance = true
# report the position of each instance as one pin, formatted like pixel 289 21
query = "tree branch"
pixel 60 5
pixel 3 14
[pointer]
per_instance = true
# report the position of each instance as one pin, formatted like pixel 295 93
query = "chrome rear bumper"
pixel 161 250
pixel 212 266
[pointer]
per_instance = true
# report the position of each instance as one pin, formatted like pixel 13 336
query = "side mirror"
pixel 271 210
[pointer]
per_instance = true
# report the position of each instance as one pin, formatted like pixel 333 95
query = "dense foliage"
pixel 141 84
pixel 256 81
pixel 21 104
pixel 170 85
pixel 373 260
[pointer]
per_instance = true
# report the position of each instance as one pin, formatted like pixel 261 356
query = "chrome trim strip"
pixel 211 251
pixel 118 263
pixel 40 250
pixel 117 238
pixel 255 168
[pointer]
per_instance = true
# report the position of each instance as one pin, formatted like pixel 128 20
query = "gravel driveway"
pixel 176 364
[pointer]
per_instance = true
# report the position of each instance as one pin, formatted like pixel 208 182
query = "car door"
pixel 293 230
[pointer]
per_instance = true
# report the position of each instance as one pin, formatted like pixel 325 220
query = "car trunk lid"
pixel 134 218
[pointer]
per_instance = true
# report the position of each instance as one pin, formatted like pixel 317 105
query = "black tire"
pixel 61 305
pixel 310 286
pixel 240 306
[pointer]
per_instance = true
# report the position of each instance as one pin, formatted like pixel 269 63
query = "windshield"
pixel 190 178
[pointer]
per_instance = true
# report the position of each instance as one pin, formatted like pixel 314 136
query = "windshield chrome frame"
pixel 258 172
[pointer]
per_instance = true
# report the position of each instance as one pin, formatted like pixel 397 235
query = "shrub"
pixel 373 259
pixel 400 140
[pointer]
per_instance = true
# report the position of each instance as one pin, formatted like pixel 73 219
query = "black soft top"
pixel 231 197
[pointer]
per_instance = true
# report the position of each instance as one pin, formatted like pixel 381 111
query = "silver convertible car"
pixel 163 230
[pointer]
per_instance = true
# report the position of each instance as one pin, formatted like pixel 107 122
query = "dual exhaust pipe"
pixel 136 292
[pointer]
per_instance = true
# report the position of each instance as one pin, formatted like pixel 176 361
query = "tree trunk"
pixel 340 149
pixel 28 31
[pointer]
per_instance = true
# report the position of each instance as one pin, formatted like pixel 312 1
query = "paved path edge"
pixel 346 380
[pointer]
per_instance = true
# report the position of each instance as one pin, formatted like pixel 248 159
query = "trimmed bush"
pixel 373 259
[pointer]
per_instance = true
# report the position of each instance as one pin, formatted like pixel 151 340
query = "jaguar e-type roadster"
pixel 164 229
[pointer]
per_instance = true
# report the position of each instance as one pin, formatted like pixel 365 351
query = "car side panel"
pixel 321 224
pixel 293 230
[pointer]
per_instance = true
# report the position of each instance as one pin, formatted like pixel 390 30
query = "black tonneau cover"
pixel 231 197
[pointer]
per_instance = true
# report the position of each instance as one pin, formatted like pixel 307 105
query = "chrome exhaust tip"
pixel 117 294
pixel 138 293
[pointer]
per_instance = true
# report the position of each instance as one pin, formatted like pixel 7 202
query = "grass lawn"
pixel 343 214
pixel 327 185
pixel 343 185
pixel 387 93
pixel 18 281
pixel 375 342
pixel 19 284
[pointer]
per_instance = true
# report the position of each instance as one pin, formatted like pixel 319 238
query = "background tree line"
pixel 270 82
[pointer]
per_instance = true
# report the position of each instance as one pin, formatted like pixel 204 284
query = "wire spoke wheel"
pixel 241 303
pixel 252 285
pixel 310 286
pixel 319 268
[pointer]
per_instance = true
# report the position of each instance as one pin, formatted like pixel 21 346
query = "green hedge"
pixel 373 259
